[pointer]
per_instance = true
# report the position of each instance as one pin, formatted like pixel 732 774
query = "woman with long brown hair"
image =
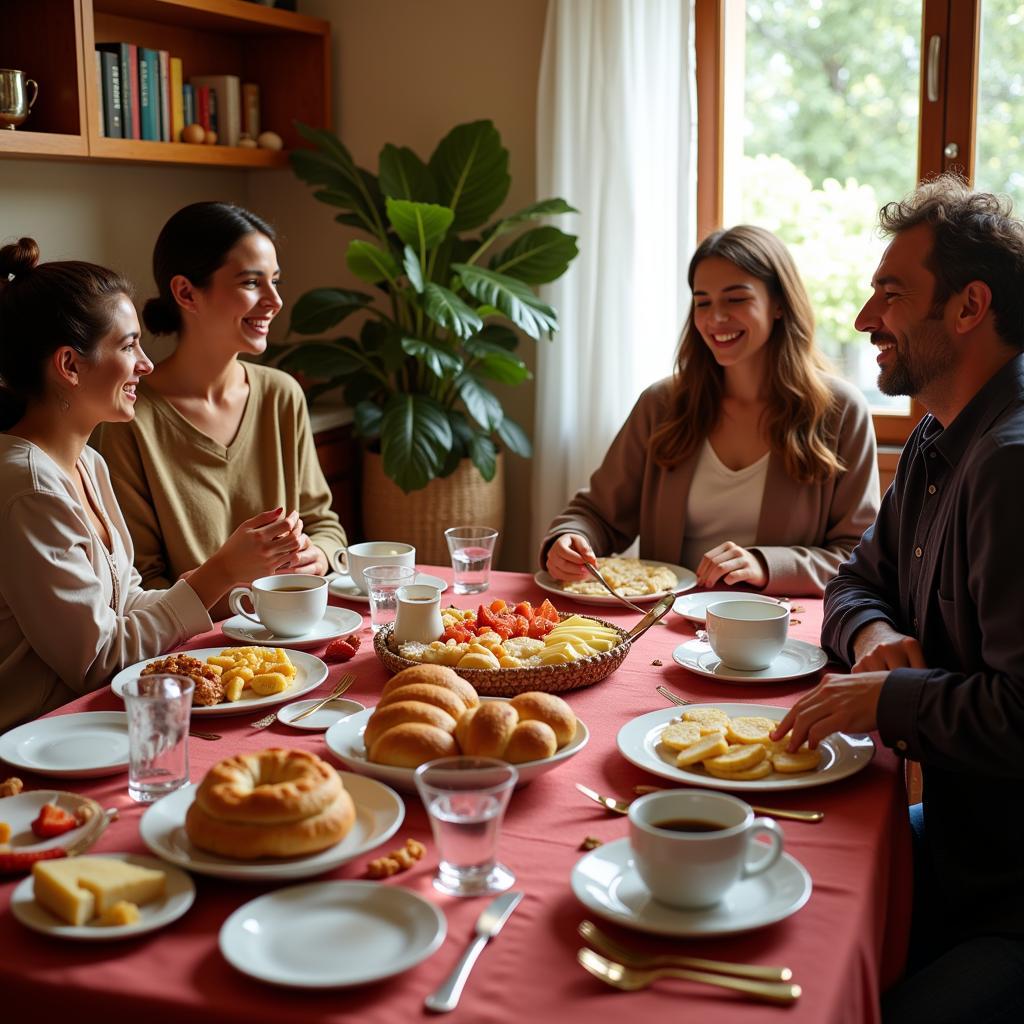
pixel 751 464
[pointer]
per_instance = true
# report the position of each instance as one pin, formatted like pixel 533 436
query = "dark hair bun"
pixel 159 318
pixel 18 258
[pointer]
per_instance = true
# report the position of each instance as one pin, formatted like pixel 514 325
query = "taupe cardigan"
pixel 805 531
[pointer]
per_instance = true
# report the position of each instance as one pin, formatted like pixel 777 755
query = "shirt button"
pixel 918 552
pixel 901 744
pixel 931 488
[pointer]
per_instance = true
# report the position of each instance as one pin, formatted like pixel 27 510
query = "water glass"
pixel 159 708
pixel 466 799
pixel 471 548
pixel 382 583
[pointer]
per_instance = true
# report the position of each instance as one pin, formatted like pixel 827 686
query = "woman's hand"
pixel 567 555
pixel 729 564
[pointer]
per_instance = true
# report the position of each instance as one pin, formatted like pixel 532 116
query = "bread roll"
pixel 485 731
pixel 445 699
pixel 405 711
pixel 547 708
pixel 436 675
pixel 411 744
pixel 530 741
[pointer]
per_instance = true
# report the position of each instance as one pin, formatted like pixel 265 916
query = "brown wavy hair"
pixel 799 417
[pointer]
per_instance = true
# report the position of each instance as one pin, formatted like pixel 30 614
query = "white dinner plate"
pixel 695 606
pixel 310 673
pixel 345 741
pixel 685 580
pixel 606 882
pixel 797 658
pixel 322 719
pixel 178 898
pixel 379 813
pixel 343 587
pixel 336 623
pixel 331 934
pixel 79 746
pixel 639 742
pixel 20 811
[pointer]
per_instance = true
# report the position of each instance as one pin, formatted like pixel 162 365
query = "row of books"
pixel 144 97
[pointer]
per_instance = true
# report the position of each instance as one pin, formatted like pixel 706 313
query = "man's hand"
pixel 837 704
pixel 731 564
pixel 877 647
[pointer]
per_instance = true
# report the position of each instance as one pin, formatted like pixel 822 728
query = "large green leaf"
pixel 367 418
pixel 512 297
pixel 496 362
pixel 470 166
pixel 370 262
pixel 403 175
pixel 542 208
pixel 537 256
pixel 500 335
pixel 484 454
pixel 439 360
pixel 323 308
pixel 514 438
pixel 421 225
pixel 322 360
pixel 415 437
pixel 413 270
pixel 362 387
pixel 482 405
pixel 446 309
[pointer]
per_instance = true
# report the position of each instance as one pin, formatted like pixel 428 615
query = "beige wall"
pixel 405 71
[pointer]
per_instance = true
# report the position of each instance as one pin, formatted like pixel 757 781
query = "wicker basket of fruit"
pixel 503 651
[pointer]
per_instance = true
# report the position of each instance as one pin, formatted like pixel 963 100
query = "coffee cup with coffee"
pixel 747 635
pixel 691 846
pixel 352 560
pixel 288 604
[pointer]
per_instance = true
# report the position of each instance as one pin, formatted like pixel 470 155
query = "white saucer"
pixel 331 934
pixel 695 606
pixel 606 882
pixel 343 587
pixel 319 721
pixel 179 897
pixel 336 623
pixel 796 659
pixel 80 746
pixel 379 813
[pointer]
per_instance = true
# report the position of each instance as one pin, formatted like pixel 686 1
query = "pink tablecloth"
pixel 846 942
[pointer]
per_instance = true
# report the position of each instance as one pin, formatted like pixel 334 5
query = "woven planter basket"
pixel 507 682
pixel 421 517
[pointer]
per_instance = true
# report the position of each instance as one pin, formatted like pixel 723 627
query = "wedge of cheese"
pixel 77 889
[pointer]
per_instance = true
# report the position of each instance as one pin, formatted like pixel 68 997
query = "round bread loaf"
pixel 530 741
pixel 272 803
pixel 550 709
pixel 387 717
pixel 411 744
pixel 436 675
pixel 441 697
pixel 485 731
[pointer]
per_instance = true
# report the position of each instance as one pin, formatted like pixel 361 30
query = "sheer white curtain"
pixel 615 130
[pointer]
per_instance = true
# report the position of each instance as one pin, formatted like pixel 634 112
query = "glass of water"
pixel 159 708
pixel 465 798
pixel 471 548
pixel 382 583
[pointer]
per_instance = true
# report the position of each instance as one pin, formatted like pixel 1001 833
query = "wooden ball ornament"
pixel 270 140
pixel 211 138
pixel 246 143
pixel 193 133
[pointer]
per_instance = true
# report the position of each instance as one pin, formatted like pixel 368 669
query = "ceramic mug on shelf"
pixel 357 557
pixel 747 635
pixel 14 102
pixel 288 604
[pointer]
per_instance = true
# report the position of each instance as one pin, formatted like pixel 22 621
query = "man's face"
pixel 914 347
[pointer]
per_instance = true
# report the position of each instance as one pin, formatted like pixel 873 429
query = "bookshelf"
pixel 286 54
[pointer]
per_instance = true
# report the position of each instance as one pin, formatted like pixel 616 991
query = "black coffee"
pixel 289 590
pixel 688 825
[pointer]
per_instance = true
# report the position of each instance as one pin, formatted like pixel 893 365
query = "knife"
pixel 656 614
pixel 488 925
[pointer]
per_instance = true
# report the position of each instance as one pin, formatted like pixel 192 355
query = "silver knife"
pixel 656 614
pixel 487 926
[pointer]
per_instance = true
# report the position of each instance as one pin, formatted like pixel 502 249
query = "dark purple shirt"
pixel 944 562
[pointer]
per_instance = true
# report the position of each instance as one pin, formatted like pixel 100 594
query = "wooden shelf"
pixel 286 54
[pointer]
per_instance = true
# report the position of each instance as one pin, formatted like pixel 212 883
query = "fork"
pixel 672 698
pixel 343 684
pixel 630 979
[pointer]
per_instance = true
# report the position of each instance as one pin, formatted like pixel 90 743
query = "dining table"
pixel 844 946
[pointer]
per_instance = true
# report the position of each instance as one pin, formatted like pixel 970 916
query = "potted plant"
pixel 452 292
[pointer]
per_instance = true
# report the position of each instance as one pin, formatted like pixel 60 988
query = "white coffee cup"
pixel 357 557
pixel 747 635
pixel 686 867
pixel 288 605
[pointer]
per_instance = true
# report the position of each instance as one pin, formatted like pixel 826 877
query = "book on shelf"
pixel 165 95
pixel 202 94
pixel 188 102
pixel 149 93
pixel 110 92
pixel 177 101
pixel 127 84
pixel 251 110
pixel 226 97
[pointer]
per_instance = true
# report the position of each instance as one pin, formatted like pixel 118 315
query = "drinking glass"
pixel 159 708
pixel 465 798
pixel 382 583
pixel 472 548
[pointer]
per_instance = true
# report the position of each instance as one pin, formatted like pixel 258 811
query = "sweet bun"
pixel 427 693
pixel 436 675
pixel 497 729
pixel 531 741
pixel 547 708
pixel 485 731
pixel 411 744
pixel 405 711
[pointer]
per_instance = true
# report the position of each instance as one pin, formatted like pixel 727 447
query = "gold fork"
pixel 607 946
pixel 630 979
pixel 672 698
pixel 343 684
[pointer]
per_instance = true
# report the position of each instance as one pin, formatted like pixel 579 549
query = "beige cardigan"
pixel 72 613
pixel 804 531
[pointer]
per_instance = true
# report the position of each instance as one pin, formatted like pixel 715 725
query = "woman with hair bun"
pixel 72 611
pixel 751 464
pixel 214 439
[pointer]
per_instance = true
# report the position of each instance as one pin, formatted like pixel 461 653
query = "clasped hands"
pixel 849 703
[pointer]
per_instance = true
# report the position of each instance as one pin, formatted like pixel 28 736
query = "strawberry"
pixel 12 862
pixel 344 649
pixel 53 821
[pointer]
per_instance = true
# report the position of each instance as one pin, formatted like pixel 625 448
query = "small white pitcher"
pixel 419 614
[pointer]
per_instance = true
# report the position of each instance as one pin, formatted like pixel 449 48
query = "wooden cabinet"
pixel 286 54
pixel 340 456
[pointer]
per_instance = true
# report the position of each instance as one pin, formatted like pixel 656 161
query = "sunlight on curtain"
pixel 615 137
